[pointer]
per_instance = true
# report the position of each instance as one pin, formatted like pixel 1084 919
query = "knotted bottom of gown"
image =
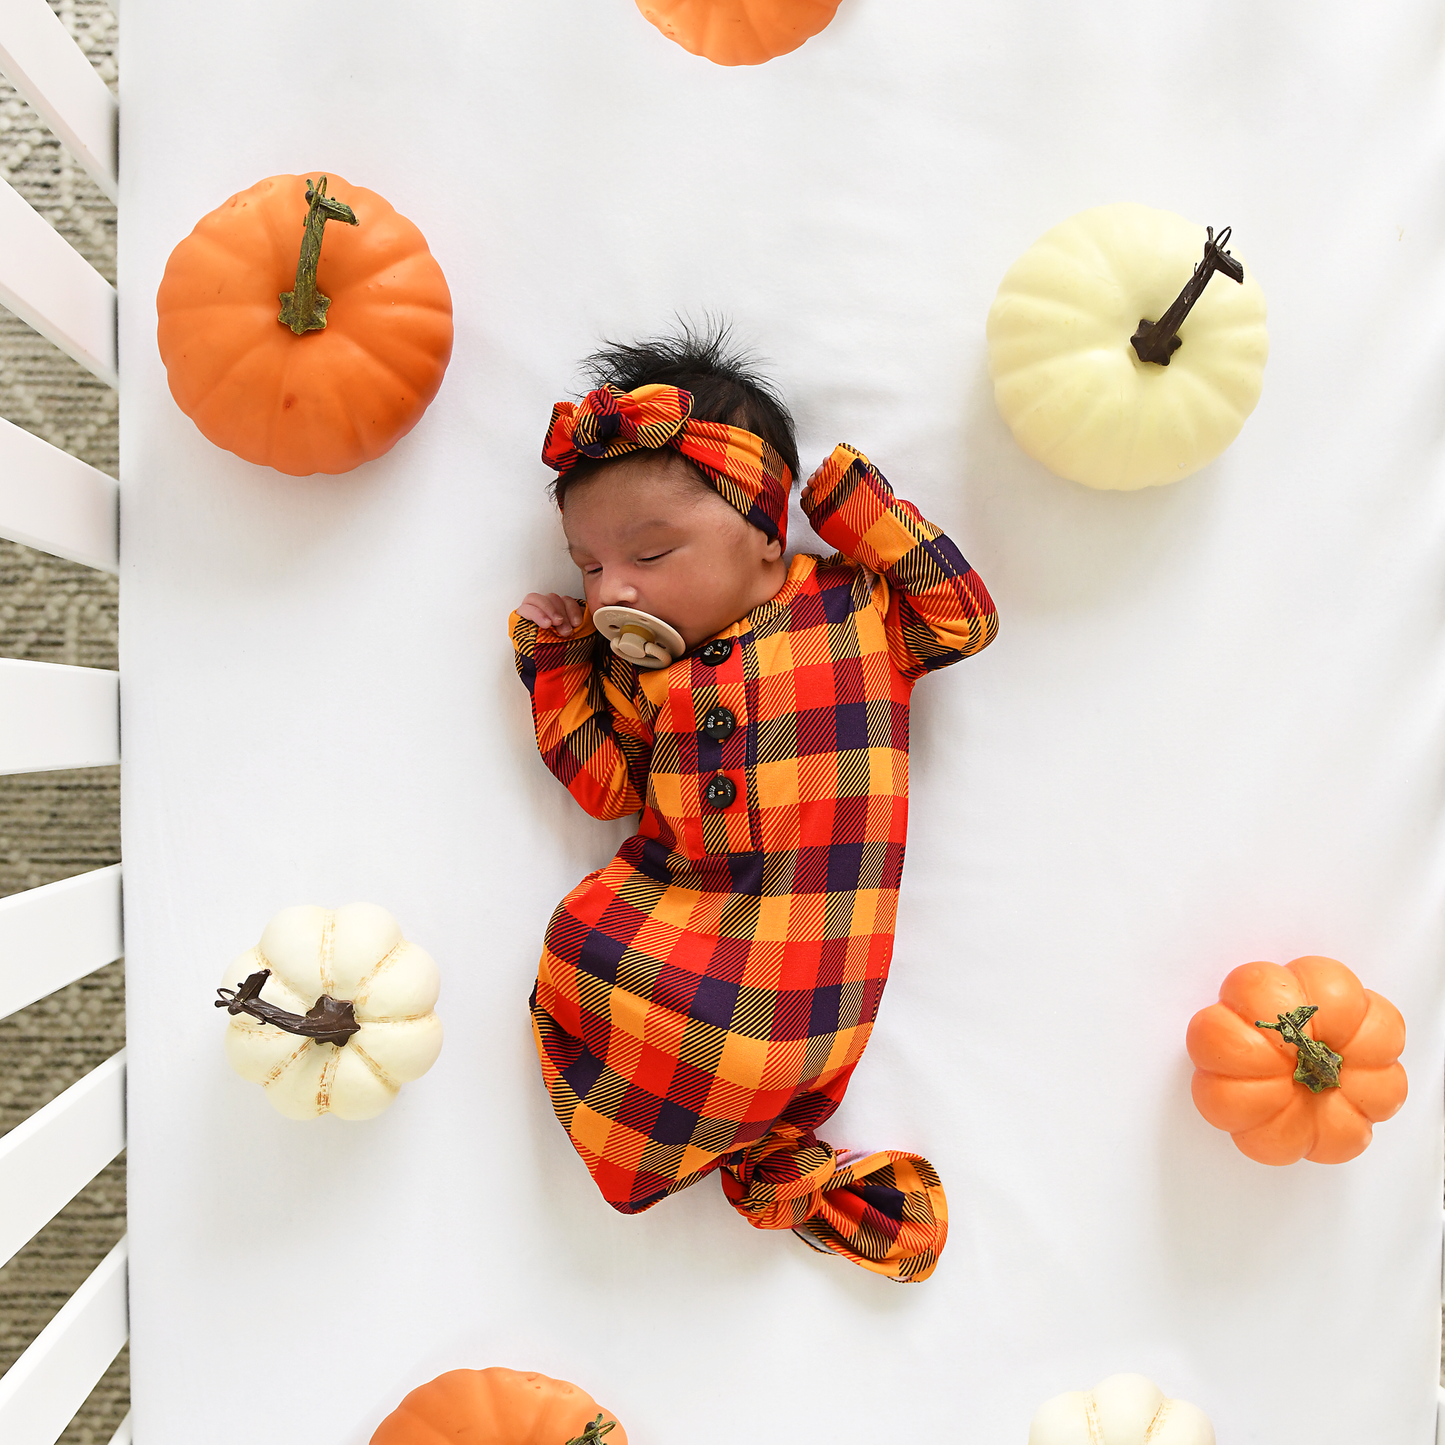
pixel 884 1211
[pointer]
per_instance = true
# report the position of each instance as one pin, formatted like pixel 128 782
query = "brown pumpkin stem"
pixel 1319 1065
pixel 329 1020
pixel 593 1433
pixel 1157 341
pixel 304 309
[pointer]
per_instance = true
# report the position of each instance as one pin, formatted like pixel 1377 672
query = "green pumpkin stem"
pixel 593 1433
pixel 1319 1065
pixel 304 309
pixel 329 1020
pixel 1157 341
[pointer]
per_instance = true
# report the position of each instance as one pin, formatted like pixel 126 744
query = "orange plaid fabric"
pixel 886 1209
pixel 703 1000
pixel 742 468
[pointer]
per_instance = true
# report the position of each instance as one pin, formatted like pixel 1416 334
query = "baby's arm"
pixel 938 610
pixel 589 730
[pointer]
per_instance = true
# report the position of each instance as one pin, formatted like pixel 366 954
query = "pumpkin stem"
pixel 593 1433
pixel 1319 1065
pixel 1157 341
pixel 330 1020
pixel 304 309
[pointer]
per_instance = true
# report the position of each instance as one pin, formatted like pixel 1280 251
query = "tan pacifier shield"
pixel 644 640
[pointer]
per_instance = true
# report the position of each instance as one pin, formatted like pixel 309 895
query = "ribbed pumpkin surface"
pixel 739 32
pixel 1244 1075
pixel 1067 379
pixel 326 401
pixel 493 1407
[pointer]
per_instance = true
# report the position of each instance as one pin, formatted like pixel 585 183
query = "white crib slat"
pixel 48 68
pixel 51 936
pixel 122 1434
pixel 55 502
pixel 54 716
pixel 44 1388
pixel 47 1160
pixel 49 285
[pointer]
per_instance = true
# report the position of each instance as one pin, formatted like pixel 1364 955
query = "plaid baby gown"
pixel 703 999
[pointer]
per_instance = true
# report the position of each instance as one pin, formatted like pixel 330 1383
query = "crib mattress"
pixel 1208 732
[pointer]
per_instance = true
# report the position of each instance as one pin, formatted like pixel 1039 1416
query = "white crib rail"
pixel 66 930
pixel 43 279
pixel 54 716
pixel 48 69
pixel 49 285
pixel 46 1161
pixel 54 502
pixel 44 1388
pixel 51 936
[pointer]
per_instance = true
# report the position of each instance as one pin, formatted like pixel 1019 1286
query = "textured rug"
pixel 53 825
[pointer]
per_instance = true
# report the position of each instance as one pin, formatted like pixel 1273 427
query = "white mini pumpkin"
pixel 1068 379
pixel 1122 1410
pixel 355 976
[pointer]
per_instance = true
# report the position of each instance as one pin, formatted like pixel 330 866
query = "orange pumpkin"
pixel 300 345
pixel 1297 1062
pixel 739 32
pixel 498 1407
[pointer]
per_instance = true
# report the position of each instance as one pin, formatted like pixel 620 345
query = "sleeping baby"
pixel 703 1000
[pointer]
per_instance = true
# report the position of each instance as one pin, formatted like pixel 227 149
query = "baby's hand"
pixel 549 609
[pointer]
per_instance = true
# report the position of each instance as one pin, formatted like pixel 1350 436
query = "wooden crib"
pixel 54 716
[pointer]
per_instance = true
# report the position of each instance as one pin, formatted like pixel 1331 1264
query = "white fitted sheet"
pixel 1209 730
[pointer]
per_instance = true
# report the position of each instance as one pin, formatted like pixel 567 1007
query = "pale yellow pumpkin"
pixel 1072 386
pixel 1122 1410
pixel 347 978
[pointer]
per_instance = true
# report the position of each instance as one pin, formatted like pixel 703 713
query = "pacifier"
pixel 639 637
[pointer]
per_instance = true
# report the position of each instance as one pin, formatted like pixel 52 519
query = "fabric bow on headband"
pixel 741 467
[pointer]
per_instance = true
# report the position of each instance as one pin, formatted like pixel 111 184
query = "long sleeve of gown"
pixel 937 608
pixel 589 730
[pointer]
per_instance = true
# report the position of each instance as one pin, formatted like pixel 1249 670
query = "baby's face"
pixel 647 533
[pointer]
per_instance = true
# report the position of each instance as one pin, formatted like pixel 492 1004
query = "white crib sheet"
pixel 1209 730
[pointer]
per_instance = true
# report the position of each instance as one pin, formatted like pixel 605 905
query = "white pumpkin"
pixel 354 963
pixel 1122 1410
pixel 1071 384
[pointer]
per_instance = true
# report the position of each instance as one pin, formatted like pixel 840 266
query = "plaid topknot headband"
pixel 742 468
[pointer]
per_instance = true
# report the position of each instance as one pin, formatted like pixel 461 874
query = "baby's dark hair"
pixel 724 380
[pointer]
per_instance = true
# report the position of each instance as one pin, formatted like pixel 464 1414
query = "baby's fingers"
pixel 546 609
pixel 566 614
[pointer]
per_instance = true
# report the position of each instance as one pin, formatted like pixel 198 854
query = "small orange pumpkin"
pixel 298 355
pixel 739 32
pixel 1297 1062
pixel 498 1407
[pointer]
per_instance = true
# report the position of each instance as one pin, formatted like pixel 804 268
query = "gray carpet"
pixel 53 825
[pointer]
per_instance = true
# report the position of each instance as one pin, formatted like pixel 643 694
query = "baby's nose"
pixel 616 592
